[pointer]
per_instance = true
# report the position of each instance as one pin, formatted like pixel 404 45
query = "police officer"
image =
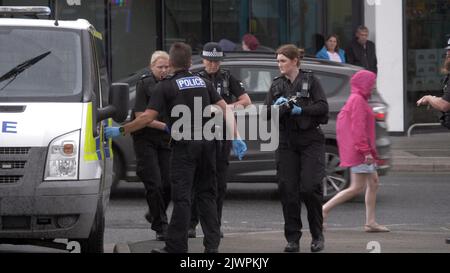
pixel 231 90
pixel 301 153
pixel 179 92
pixel 152 147
pixel 441 103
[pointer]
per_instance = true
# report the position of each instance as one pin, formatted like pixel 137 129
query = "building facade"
pixel 409 35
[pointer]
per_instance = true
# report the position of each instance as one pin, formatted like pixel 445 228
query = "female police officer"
pixel 152 148
pixel 301 152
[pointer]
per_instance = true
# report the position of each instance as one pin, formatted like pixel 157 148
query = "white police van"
pixel 55 100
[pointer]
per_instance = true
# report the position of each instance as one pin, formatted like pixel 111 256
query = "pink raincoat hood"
pixel 362 83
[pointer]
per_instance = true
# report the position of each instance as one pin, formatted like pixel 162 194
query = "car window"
pixel 255 79
pixel 331 83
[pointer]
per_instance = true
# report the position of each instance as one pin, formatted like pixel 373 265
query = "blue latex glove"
pixel 280 101
pixel 167 130
pixel 239 148
pixel 112 132
pixel 296 111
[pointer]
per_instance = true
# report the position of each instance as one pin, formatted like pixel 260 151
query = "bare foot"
pixel 372 228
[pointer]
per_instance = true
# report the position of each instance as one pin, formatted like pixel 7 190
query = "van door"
pixel 100 101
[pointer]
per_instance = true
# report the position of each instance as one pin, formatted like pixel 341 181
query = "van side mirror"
pixel 118 103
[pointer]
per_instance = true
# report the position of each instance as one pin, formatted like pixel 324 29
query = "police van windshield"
pixel 57 77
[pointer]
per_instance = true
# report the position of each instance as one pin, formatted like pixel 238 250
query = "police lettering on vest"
pixel 190 83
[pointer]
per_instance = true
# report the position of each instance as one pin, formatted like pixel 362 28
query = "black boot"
pixel 318 244
pixel 292 247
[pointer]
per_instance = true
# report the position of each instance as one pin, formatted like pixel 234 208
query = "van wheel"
pixel 118 171
pixel 337 178
pixel 94 244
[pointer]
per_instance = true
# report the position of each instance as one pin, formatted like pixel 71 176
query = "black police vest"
pixel 149 82
pixel 221 83
pixel 187 98
pixel 302 95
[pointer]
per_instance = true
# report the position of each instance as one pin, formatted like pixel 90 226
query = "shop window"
pixel 183 23
pixel 428 23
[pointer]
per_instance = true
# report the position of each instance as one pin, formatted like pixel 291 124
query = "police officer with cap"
pixel 232 91
pixel 180 92
pixel 152 147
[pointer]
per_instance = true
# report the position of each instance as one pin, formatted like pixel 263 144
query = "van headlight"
pixel 63 157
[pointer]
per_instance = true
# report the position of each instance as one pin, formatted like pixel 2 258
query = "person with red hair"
pixel 249 42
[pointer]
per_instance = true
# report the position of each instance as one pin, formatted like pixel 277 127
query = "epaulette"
pixel 201 73
pixel 146 76
pixel 306 71
pixel 278 79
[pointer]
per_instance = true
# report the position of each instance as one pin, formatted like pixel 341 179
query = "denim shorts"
pixel 364 168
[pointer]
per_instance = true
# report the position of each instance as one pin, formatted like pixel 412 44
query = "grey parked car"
pixel 256 71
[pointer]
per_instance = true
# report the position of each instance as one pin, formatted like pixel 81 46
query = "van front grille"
pixel 9 165
pixel 14 150
pixel 9 179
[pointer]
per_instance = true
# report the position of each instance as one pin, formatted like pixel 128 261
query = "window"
pixel 56 76
pixel 133 36
pixel 305 24
pixel 331 83
pixel 184 23
pixel 266 22
pixel 428 23
pixel 230 19
pixel 340 18
pixel 255 79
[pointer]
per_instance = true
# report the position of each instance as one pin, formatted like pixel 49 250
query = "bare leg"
pixel 371 198
pixel 357 184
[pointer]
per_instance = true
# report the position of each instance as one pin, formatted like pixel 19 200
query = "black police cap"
pixel 212 52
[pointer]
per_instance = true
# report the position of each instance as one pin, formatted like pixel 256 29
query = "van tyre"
pixel 118 171
pixel 95 242
pixel 337 178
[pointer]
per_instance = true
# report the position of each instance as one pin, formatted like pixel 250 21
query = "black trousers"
pixel 191 158
pixel 301 169
pixel 223 149
pixel 153 168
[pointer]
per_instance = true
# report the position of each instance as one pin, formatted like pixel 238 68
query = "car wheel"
pixel 117 171
pixel 94 244
pixel 337 178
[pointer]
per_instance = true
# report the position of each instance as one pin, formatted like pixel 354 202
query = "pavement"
pixel 429 152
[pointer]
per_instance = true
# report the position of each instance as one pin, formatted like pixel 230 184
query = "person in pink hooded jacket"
pixel 355 130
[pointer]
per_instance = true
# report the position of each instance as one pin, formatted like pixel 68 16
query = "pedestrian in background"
pixel 249 42
pixel 362 52
pixel 231 90
pixel 441 103
pixel 300 157
pixel 355 132
pixel 331 50
pixel 152 148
